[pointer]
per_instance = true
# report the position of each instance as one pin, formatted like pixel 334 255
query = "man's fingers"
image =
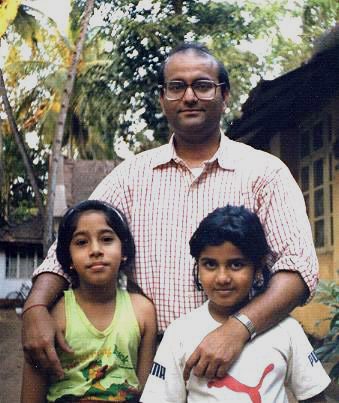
pixel 210 371
pixel 36 357
pixel 60 338
pixel 201 367
pixel 222 371
pixel 53 362
pixel 190 363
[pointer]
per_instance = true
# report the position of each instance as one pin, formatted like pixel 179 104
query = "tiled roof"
pixel 277 104
pixel 82 176
pixel 30 231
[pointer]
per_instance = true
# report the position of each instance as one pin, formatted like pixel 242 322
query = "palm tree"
pixel 59 132
pixel 18 13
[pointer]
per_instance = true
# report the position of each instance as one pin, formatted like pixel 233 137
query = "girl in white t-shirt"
pixel 230 248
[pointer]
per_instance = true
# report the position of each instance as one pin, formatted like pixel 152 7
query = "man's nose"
pixel 189 95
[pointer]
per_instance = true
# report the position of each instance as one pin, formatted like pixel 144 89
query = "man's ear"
pixel 226 97
pixel 161 100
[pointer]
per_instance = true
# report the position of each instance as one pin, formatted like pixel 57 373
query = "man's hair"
pixel 200 50
pixel 232 224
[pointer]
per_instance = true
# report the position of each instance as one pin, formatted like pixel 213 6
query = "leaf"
pixel 8 11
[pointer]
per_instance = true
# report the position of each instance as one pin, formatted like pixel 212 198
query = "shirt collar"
pixel 223 155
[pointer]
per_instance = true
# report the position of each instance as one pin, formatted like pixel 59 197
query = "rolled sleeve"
pixel 51 265
pixel 282 211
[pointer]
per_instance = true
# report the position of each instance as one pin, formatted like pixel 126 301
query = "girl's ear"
pixel 124 258
pixel 196 276
pixel 258 280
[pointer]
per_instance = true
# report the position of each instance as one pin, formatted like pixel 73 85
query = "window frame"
pixel 325 154
pixel 20 253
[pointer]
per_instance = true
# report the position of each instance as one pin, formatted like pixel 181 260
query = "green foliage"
pixel 317 18
pixel 328 294
pixel 116 88
pixel 141 38
pixel 16 198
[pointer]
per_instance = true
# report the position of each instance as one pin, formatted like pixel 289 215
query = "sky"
pixel 58 10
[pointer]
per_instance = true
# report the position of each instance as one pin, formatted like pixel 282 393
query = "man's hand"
pixel 39 334
pixel 39 331
pixel 218 350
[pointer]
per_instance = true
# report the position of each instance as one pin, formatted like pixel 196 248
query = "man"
pixel 165 193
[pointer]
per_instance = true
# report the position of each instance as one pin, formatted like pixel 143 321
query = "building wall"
pixel 7 285
pixel 286 146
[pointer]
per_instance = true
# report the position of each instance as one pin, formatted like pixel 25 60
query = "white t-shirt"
pixel 282 355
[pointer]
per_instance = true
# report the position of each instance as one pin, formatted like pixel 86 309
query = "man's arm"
pixel 38 328
pixel 218 350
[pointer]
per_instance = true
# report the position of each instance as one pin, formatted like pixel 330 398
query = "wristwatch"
pixel 246 321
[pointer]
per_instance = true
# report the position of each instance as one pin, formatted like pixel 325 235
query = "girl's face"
pixel 226 276
pixel 95 250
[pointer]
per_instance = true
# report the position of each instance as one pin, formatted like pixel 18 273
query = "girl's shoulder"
pixel 142 304
pixel 144 309
pixel 58 313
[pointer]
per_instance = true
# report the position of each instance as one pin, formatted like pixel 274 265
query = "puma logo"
pixel 236 386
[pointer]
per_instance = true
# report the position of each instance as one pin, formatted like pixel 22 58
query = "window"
pixel 21 261
pixel 316 179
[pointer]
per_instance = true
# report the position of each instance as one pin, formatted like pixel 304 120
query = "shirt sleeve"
pixel 165 383
pixel 283 213
pixel 110 190
pixel 305 374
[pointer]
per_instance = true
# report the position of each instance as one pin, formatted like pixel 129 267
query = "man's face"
pixel 193 119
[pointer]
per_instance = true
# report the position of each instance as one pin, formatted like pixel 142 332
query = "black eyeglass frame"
pixel 164 88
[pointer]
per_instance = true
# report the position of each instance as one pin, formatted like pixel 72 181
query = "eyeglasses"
pixel 204 90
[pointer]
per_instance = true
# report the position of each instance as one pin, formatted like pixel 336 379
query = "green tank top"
pixel 103 366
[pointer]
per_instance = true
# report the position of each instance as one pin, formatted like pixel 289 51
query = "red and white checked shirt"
pixel 164 203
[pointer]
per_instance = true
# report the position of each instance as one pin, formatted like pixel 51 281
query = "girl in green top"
pixel 107 321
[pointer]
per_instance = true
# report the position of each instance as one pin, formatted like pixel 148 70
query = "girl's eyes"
pixel 209 264
pixel 233 265
pixel 237 265
pixel 80 242
pixel 106 239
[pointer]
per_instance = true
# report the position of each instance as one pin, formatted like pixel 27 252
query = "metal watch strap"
pixel 246 321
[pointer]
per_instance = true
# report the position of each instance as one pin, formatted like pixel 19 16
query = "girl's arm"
pixel 34 385
pixel 146 317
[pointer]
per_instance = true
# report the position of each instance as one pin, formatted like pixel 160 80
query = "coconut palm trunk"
pixel 21 146
pixel 60 127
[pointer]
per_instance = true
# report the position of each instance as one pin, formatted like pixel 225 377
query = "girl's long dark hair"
pixel 239 226
pixel 115 219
